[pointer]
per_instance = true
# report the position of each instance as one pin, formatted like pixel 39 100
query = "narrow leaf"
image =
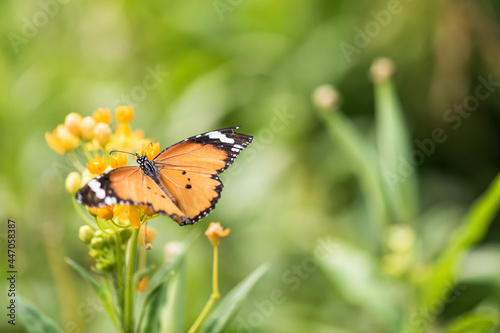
pixel 394 147
pixel 222 316
pixel 34 320
pixel 104 297
pixel 156 297
pixel 365 163
pixel 473 229
pixel 475 322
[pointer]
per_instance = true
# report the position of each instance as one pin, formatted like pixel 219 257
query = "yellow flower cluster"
pixel 94 133
pixel 95 137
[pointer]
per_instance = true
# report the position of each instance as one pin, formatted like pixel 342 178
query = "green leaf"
pixel 34 320
pixel 156 298
pixel 365 163
pixel 173 315
pixel 102 293
pixel 474 322
pixel 355 276
pixel 154 301
pixel 475 225
pixel 393 147
pixel 222 316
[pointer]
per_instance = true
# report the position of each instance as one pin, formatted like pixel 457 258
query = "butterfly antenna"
pixel 144 150
pixel 121 151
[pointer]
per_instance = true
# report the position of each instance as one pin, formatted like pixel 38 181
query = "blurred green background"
pixel 256 64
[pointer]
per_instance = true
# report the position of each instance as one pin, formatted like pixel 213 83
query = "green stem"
pixel 213 297
pixel 119 269
pixel 128 312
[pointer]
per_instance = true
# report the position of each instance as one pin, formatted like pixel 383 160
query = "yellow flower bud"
pixel 215 232
pixel 85 234
pixel 73 182
pixel 61 139
pixel 382 69
pixel 72 122
pixel 87 128
pixel 117 160
pixel 325 97
pixel 102 133
pixel 124 114
pixel 102 115
pixel 97 165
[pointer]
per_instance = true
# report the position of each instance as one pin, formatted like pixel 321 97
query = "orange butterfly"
pixel 181 181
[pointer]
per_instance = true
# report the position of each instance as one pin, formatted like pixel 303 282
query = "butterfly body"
pixel 181 181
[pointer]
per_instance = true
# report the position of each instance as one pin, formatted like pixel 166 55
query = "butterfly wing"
pixel 128 186
pixel 189 169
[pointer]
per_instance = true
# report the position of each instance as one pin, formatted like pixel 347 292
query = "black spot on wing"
pixel 213 202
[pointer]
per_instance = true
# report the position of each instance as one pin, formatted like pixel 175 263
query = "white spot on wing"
pixel 220 136
pixel 110 201
pixel 95 186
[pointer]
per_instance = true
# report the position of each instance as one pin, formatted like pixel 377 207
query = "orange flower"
pixel 61 139
pixel 102 115
pixel 97 165
pixel 142 286
pixel 124 114
pixel 104 213
pixel 119 210
pixel 148 210
pixel 151 150
pixel 215 232
pixel 134 217
pixel 117 160
pixel 72 122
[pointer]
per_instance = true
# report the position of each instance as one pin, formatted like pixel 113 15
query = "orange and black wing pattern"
pixel 189 169
pixel 181 181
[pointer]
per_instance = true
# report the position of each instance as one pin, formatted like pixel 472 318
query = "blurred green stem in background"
pixel 215 291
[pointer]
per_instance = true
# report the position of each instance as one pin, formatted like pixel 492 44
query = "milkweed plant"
pixel 402 271
pixel 119 236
